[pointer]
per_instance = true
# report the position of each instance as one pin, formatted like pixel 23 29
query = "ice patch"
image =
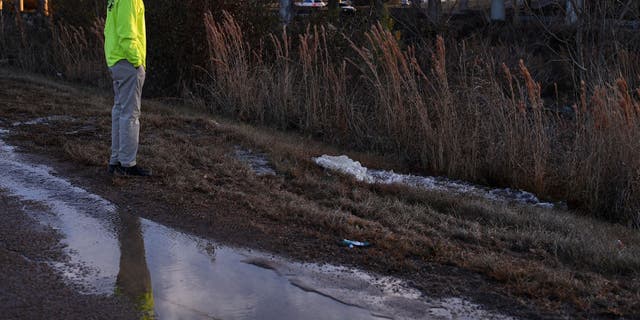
pixel 350 167
pixel 67 207
pixel 44 120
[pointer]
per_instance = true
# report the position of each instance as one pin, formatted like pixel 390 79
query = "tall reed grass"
pixel 461 112
pixel 78 53
pixel 461 108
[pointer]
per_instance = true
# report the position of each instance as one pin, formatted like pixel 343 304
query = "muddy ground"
pixel 31 288
pixel 301 213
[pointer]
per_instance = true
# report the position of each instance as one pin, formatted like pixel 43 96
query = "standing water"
pixel 173 275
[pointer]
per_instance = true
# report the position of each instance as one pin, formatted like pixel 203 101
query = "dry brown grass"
pixel 456 111
pixel 462 113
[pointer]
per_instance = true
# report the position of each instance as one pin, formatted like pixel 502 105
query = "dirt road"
pixel 444 246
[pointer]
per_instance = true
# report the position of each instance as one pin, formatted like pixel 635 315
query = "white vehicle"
pixel 311 4
pixel 346 7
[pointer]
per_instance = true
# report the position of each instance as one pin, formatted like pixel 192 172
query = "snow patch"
pixel 345 165
pixel 44 120
pixel 353 168
pixel 383 295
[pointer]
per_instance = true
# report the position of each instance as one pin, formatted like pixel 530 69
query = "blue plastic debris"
pixel 352 243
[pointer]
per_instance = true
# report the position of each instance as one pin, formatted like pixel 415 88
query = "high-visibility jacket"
pixel 125 35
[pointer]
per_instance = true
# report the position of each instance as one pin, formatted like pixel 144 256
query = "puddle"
pixel 173 275
pixel 347 166
pixel 257 161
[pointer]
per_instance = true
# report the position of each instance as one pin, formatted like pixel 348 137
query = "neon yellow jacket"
pixel 125 36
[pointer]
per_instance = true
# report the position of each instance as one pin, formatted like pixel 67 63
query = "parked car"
pixel 311 4
pixel 346 7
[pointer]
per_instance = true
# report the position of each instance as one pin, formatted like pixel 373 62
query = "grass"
pixel 557 259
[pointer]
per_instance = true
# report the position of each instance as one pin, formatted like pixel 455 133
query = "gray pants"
pixel 125 123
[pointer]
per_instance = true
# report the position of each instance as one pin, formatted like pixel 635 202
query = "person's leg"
pixel 115 123
pixel 130 92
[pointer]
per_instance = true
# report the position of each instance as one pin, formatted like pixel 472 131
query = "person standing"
pixel 125 47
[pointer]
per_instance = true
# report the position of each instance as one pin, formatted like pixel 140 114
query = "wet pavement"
pixel 170 274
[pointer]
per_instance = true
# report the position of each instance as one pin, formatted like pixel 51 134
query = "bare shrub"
pixel 78 54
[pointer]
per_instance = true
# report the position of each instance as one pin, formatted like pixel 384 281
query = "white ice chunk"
pixel 350 167
pixel 345 165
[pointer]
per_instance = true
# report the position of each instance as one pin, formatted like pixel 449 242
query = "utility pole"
pixel 517 4
pixel 19 7
pixel 574 10
pixel 333 4
pixel 379 8
pixel 435 10
pixel 333 9
pixel 498 11
pixel 464 5
pixel 285 11
pixel 40 9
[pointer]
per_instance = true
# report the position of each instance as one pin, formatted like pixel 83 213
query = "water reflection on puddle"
pixel 191 280
pixel 173 275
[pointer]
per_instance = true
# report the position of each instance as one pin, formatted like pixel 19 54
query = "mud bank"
pixel 174 275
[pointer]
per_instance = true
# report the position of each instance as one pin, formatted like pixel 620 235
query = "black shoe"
pixel 113 168
pixel 134 171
